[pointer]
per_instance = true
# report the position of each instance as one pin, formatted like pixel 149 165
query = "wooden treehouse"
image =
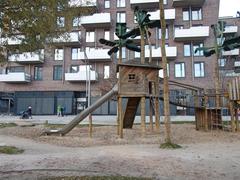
pixel 234 102
pixel 136 83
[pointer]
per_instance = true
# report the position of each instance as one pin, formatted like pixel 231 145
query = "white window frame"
pixel 121 17
pixel 106 72
pixel 107 4
pixel 58 54
pixel 181 68
pixel 61 21
pixel 199 70
pixel 121 3
pixel 107 35
pixel 90 36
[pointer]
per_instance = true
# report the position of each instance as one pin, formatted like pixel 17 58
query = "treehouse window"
pixel 131 77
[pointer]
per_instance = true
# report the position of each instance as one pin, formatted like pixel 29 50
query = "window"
pixel 179 70
pixel 60 22
pixel 57 72
pixel 131 77
pixel 75 53
pixel 74 69
pixel 222 62
pixel 59 53
pixel 123 53
pixel 38 75
pixel 196 14
pixel 121 17
pixel 76 22
pixel 106 72
pixel 186 15
pixel 107 4
pixel 187 49
pixel 195 46
pixel 107 35
pixel 121 3
pixel 161 71
pixel 160 33
pixel 90 36
pixel 84 68
pixel 15 69
pixel 165 2
pixel 199 69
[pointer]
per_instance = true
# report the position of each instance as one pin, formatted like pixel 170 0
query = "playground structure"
pixel 139 80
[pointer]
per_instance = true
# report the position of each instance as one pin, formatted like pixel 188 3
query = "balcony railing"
pixel 181 3
pixel 81 76
pixel 15 77
pixel 234 52
pixel 83 3
pixel 193 33
pixel 171 52
pixel 72 37
pixel 95 54
pixel 14 40
pixel 145 3
pixel 28 57
pixel 231 29
pixel 96 20
pixel 169 14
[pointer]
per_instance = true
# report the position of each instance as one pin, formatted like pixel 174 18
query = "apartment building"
pixel 62 75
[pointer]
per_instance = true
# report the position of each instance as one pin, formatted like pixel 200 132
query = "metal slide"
pixel 80 117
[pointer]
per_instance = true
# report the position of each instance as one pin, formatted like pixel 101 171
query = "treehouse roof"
pixel 137 63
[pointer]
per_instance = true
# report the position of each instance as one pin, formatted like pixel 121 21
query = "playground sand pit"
pixel 210 155
pixel 107 135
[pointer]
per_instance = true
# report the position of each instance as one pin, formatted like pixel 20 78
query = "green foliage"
pixel 170 145
pixel 36 21
pixel 225 43
pixel 122 42
pixel 3 125
pixel 96 178
pixel 10 150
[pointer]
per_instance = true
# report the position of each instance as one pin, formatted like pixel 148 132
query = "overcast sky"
pixel 229 7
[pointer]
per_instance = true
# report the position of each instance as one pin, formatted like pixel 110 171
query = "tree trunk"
pixel 150 45
pixel 142 46
pixel 165 75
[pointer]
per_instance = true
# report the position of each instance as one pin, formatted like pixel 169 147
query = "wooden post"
pixel 151 113
pixel 90 125
pixel 232 116
pixel 120 117
pixel 195 109
pixel 206 112
pixel 143 115
pixel 237 120
pixel 157 121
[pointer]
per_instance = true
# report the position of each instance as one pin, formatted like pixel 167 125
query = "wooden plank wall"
pixel 234 89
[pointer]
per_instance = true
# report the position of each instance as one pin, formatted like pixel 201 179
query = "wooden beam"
pixel 143 115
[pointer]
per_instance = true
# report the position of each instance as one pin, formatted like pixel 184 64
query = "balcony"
pixel 237 64
pixel 234 52
pixel 15 77
pixel 99 20
pixel 83 3
pixel 169 14
pixel 72 38
pixel 171 52
pixel 193 33
pixel 81 76
pixel 182 3
pixel 27 57
pixel 145 4
pixel 95 54
pixel 14 40
pixel 231 29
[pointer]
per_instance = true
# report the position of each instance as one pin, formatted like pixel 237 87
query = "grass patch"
pixel 96 178
pixel 10 150
pixel 4 125
pixel 169 145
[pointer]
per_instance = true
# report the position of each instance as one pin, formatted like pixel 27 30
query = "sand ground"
pixel 205 155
